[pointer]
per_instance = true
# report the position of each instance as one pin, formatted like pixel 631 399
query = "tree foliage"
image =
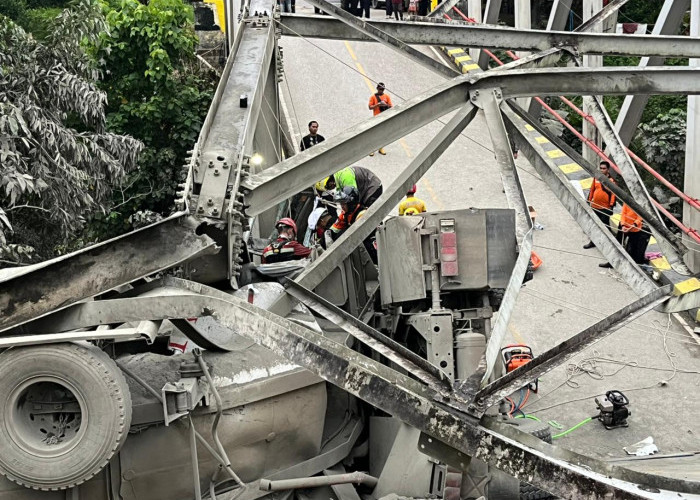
pixel 663 139
pixel 57 162
pixel 156 93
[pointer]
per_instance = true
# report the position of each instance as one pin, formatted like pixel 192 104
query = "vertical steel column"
pixel 523 20
pixel 489 100
pixel 590 8
pixel 474 11
pixel 558 17
pixel 691 187
pixel 493 9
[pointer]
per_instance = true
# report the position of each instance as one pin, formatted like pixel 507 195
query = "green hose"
pixel 572 429
pixel 531 417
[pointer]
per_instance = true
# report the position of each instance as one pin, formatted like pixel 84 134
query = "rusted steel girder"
pixel 58 283
pixel 561 472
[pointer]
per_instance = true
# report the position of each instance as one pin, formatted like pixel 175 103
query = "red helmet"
pixel 412 189
pixel 286 221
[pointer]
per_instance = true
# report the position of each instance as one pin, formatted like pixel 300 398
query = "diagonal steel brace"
pixel 547 361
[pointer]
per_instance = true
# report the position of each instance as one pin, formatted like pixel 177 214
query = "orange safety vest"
pixel 629 218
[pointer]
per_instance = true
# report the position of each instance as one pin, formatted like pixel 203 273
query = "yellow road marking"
pixel 529 127
pixel 570 168
pixel 661 263
pixel 352 54
pixel 463 58
pixel 586 183
pixel 541 140
pixel 469 67
pixel 455 51
pixel 652 241
pixel 516 334
pixel 555 153
pixel 364 75
pixel 686 286
pixel 403 143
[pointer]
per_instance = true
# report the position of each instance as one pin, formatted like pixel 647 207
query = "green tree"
pixel 157 93
pixel 663 140
pixel 57 163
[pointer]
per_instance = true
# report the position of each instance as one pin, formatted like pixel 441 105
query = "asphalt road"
pixel 331 81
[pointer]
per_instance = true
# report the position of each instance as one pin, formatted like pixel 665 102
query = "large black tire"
pixel 65 410
pixel 544 432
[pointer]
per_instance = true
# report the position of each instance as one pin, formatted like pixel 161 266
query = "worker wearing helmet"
pixel 368 185
pixel 285 247
pixel 411 205
pixel 352 211
pixel 349 200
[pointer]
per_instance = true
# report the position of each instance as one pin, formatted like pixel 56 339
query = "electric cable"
pixel 571 373
pixel 562 434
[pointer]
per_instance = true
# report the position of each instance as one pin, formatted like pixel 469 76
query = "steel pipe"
pixel 318 481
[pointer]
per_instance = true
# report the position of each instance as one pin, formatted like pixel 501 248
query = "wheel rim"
pixel 47 416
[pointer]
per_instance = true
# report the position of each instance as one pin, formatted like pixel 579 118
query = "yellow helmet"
pixel 411 211
pixel 321 185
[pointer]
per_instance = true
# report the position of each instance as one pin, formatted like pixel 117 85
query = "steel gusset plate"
pixel 525 457
pixel 56 284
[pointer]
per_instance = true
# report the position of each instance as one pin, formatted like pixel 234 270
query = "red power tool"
pixel 515 356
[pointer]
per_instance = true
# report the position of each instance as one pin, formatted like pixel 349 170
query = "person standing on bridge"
pixel 285 247
pixel 380 102
pixel 313 136
pixel 601 199
pixel 632 235
pixel 364 8
pixel 397 5
pixel 411 205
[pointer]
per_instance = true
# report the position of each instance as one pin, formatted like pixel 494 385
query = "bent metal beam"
pixel 556 470
pixel 276 183
pixel 493 37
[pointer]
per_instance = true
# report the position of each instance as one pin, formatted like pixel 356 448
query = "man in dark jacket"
pixel 312 138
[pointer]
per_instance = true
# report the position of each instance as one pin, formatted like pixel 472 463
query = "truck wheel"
pixel 544 432
pixel 65 410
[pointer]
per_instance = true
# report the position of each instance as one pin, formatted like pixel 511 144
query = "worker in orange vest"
pixel 633 236
pixel 601 199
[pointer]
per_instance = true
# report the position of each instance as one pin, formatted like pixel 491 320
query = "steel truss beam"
pixel 58 283
pixel 229 136
pixel 547 361
pixel 274 184
pixel 576 206
pixel 618 152
pixel 622 195
pixel 317 271
pixel 491 37
pixel 489 101
pixel 561 472
pixel 374 33
pixel 599 234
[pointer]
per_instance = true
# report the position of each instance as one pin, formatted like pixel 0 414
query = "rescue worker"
pixel 632 236
pixel 352 211
pixel 411 205
pixel 285 247
pixel 362 179
pixel 601 199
